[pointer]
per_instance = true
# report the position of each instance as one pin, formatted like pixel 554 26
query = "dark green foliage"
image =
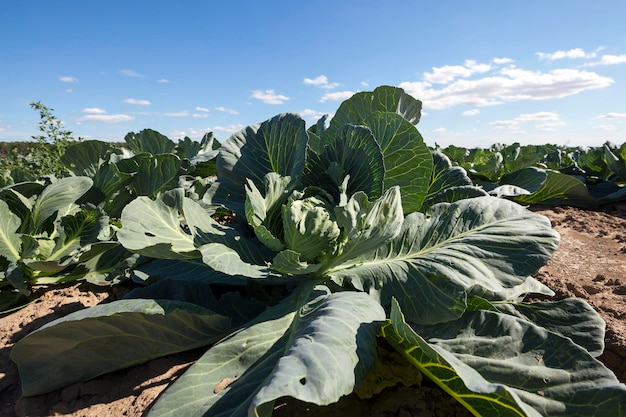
pixel 557 175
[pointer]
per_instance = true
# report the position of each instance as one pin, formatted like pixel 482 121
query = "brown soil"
pixel 588 264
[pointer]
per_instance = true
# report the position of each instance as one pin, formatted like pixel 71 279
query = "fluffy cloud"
pixel 609 60
pixel 191 132
pixel 337 96
pixel 448 73
pixel 95 114
pixel 611 116
pixel 163 81
pixel 94 110
pixel 500 86
pixel 571 54
pixel 544 121
pixel 502 61
pixel 310 114
pixel 228 129
pixel 321 81
pixel 202 109
pixel 137 102
pixel 542 116
pixel 183 113
pixel 472 112
pixel 269 96
pixel 68 79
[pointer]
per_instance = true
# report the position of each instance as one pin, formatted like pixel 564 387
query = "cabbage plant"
pixel 342 236
pixel 547 174
pixel 48 236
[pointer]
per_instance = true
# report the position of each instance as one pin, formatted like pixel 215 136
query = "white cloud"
pixel 505 124
pixel 95 114
pixel 321 81
pixel 365 84
pixel 337 96
pixel 137 102
pixel 68 79
pixel 269 97
pixel 502 61
pixel 225 110
pixel 312 114
pixel 608 128
pixel 94 110
pixel 536 117
pixel 229 129
pixel 202 109
pixel 183 113
pixel 69 90
pixel 130 73
pixel 440 130
pixel 200 115
pixel 163 81
pixel 506 85
pixel 571 54
pixel 448 73
pixel 472 112
pixel 548 122
pixel 191 132
pixel 549 127
pixel 609 60
pixel 611 116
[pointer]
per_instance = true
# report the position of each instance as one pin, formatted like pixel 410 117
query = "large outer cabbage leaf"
pixel 152 228
pixel 499 364
pixel 441 255
pixel 109 337
pixel 462 382
pixel 176 227
pixel 57 197
pixel 571 317
pixel 353 152
pixel 545 369
pixel 85 158
pixel 10 243
pixel 152 174
pixel 408 161
pixel 315 347
pixel 448 183
pixel 360 106
pixel 560 189
pixel 277 145
pixel 149 141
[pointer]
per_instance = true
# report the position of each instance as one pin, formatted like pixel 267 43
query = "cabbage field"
pixel 292 254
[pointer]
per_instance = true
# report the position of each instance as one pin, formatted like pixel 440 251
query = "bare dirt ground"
pixel 590 264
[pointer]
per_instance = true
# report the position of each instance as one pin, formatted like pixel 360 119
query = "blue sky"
pixel 487 71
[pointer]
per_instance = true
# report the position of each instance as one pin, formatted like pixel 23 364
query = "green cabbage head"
pixel 310 228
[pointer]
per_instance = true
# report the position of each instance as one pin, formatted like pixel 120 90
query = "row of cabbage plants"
pixel 587 177
pixel 306 250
